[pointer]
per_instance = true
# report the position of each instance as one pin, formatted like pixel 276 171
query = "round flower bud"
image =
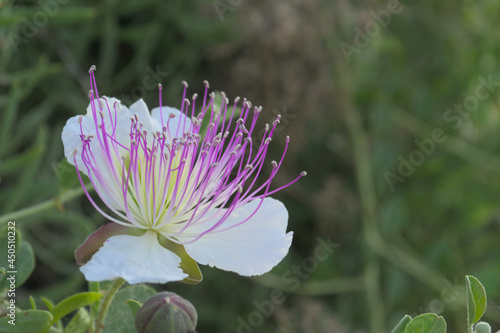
pixel 166 312
pixel 482 327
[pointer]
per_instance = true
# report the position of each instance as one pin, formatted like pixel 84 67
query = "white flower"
pixel 175 197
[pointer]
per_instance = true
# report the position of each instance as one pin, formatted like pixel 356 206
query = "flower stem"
pixel 105 302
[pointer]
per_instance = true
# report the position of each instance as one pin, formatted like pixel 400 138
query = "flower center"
pixel 155 180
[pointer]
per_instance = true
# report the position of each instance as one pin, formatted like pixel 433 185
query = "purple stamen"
pixel 172 179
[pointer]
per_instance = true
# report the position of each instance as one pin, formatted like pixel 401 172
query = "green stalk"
pixel 372 234
pixel 315 288
pixel 105 302
pixel 38 208
pixel 369 219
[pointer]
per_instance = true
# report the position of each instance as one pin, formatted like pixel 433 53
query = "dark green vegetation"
pixel 392 109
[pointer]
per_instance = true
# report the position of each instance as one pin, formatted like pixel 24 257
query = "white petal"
pixel 72 142
pixel 179 121
pixel 252 248
pixel 71 131
pixel 117 124
pixel 141 109
pixel 121 121
pixel 137 259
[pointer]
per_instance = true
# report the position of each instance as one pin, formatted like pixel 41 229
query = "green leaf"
pixel 400 327
pixel 15 256
pixel 73 303
pixel 134 306
pixel 118 318
pixel 476 299
pixel 66 174
pixel 53 329
pixel 80 322
pixel 426 323
pixel 6 242
pixel 3 274
pixel 32 321
pixel 25 262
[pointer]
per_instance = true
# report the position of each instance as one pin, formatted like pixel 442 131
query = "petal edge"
pixel 252 248
pixel 137 259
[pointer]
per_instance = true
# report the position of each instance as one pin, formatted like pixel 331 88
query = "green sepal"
pixel 188 265
pixel 2 276
pixel 95 241
pixel 25 262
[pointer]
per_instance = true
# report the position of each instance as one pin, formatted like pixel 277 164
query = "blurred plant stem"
pixel 38 208
pixel 314 288
pixel 369 205
pixel 104 305
pixel 378 247
pixel 487 163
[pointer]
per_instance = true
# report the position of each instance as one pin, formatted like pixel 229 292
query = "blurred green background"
pixel 392 109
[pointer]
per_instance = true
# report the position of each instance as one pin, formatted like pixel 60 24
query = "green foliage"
pixel 426 323
pixel 43 83
pixel 16 257
pixel 439 222
pixel 72 303
pixel 79 323
pixel 432 323
pixel 188 265
pixel 65 173
pixel 48 303
pixel 25 263
pixel 32 321
pixel 134 306
pixel 118 318
pixel 401 326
